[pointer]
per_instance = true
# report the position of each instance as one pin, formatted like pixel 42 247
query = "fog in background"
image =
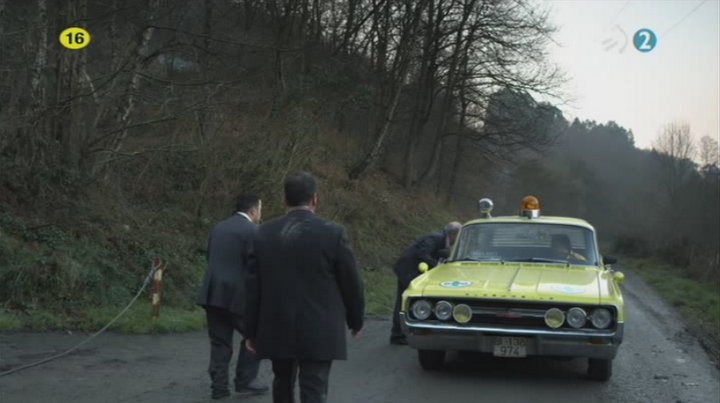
pixel 676 81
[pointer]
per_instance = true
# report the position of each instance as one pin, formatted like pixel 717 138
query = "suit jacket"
pixel 229 248
pixel 426 249
pixel 305 289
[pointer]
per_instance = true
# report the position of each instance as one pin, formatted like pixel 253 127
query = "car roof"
pixel 539 220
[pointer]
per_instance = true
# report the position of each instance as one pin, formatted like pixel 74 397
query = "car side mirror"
pixel 619 277
pixel 423 267
pixel 444 253
pixel 609 260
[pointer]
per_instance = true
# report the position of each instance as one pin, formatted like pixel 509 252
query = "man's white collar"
pixel 244 215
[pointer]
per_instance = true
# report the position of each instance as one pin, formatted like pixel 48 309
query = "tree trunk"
pixel 36 138
pixel 114 38
pixel 207 33
pixel 124 116
pixel 317 21
pixel 41 25
pixel 383 39
pixel 349 27
pixel 304 23
pixel 426 98
pixel 249 14
pixel 289 20
pixel 434 161
pixel 359 170
pixel 79 132
pixel 2 15
pixel 458 51
pixel 401 65
pixel 457 156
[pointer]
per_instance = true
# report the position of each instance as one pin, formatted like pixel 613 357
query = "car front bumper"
pixel 449 336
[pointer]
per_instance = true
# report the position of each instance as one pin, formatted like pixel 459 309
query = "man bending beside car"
pixel 429 249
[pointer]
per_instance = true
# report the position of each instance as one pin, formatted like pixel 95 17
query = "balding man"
pixel 429 249
pixel 223 295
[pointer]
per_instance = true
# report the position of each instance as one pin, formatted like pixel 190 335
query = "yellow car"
pixel 517 286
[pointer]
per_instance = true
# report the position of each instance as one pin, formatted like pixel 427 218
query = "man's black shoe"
pixel 398 340
pixel 218 394
pixel 252 388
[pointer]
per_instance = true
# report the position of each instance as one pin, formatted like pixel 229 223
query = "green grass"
pixel 137 320
pixel 8 321
pixel 379 294
pixel 380 285
pixel 698 301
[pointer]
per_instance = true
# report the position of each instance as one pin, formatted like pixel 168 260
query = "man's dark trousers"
pixel 314 378
pixel 396 331
pixel 221 325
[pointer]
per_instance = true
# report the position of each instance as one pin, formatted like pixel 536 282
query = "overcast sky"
pixel 676 81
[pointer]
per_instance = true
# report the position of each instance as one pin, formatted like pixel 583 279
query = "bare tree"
pixel 37 87
pixel 2 12
pixel 464 39
pixel 137 61
pixel 709 154
pixel 504 44
pixel 676 141
pixel 432 41
pixel 41 53
pixel 675 148
pixel 398 73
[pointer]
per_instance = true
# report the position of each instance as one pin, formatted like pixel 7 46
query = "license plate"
pixel 510 347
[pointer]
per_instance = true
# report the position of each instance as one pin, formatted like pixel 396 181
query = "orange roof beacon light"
pixel 530 207
pixel 485 205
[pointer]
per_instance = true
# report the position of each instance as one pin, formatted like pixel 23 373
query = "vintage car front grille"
pixel 515 314
pixel 521 317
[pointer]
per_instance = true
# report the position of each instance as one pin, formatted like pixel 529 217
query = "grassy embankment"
pixel 76 267
pixel 697 301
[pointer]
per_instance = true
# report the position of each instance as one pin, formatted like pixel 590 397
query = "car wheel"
pixel 599 369
pixel 431 359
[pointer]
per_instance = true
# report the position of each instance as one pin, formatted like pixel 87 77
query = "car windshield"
pixel 526 242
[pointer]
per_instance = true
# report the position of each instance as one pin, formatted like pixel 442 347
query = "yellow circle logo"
pixel 74 38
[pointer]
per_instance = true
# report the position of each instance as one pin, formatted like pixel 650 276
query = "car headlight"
pixel 462 313
pixel 601 318
pixel 554 318
pixel 576 318
pixel 421 309
pixel 443 310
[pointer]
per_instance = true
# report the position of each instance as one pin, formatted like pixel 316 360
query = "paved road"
pixel 659 362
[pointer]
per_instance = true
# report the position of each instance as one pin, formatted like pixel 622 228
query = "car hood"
pixel 516 281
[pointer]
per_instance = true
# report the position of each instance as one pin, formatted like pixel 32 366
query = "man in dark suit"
pixel 223 296
pixel 429 249
pixel 306 289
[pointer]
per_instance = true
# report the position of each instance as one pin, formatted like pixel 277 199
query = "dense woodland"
pixel 408 111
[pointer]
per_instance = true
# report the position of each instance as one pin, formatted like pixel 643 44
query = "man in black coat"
pixel 223 296
pixel 429 249
pixel 306 290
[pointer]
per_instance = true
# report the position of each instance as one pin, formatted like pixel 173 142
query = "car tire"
pixel 599 369
pixel 431 360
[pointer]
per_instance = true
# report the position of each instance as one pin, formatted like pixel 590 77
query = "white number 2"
pixel 646 41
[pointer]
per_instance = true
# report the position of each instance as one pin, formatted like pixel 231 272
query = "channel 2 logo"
pixel 644 40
